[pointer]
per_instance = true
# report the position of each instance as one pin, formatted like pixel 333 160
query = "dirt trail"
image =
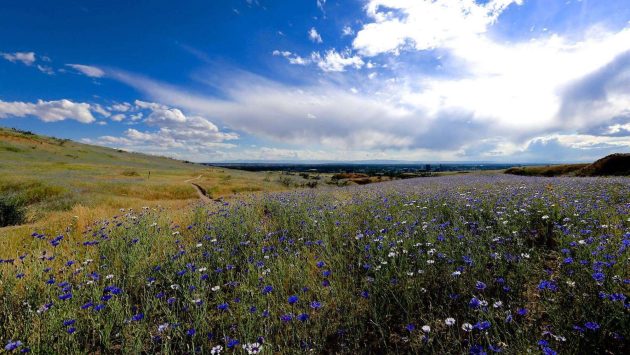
pixel 203 195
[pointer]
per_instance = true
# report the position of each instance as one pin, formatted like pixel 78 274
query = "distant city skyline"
pixel 323 80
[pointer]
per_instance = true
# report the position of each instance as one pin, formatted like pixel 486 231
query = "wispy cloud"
pixel 26 58
pixel 87 70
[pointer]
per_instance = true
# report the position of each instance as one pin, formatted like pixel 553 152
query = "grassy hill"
pixel 46 177
pixel 611 165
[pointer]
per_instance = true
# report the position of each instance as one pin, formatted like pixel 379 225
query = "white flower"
pixel 545 217
pixel 203 269
pixel 174 287
pixel 199 245
pixel 109 277
pixel 216 350
pixel 449 321
pixel 215 288
pixel 497 304
pixel 456 273
pixel 430 262
pixel 426 328
pixel 467 327
pixel 162 327
pixel 253 348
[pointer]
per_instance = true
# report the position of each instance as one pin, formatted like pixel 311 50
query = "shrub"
pixel 11 211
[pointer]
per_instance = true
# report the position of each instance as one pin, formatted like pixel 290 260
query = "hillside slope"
pixel 612 165
pixel 41 176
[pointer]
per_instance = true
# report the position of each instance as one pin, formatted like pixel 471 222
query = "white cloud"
pixel 176 134
pixel 46 69
pixel 337 62
pixel 347 31
pixel 292 57
pixel 48 111
pixel 101 110
pixel 119 117
pixel 26 58
pixel 121 107
pixel 320 5
pixel 424 24
pixel 87 70
pixel 314 36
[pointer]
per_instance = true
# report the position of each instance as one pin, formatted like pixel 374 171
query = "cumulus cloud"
pixel 87 70
pixel 48 111
pixel 337 61
pixel 424 24
pixel 26 58
pixel 175 133
pixel 314 36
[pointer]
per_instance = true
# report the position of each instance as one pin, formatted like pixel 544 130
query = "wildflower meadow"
pixel 470 263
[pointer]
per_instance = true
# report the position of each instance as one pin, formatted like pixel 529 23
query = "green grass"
pixel 49 177
pixel 378 258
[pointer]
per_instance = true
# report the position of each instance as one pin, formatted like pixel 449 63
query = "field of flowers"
pixel 456 264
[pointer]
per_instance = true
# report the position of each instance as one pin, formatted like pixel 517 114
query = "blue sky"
pixel 422 80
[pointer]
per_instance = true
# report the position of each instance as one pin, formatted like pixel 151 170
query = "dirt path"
pixel 203 194
pixel 193 179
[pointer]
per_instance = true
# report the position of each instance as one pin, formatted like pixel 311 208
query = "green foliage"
pixel 377 258
pixel 11 211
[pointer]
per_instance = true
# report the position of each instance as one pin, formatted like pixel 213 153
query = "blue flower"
pixel 483 325
pixel 267 289
pixel 480 286
pixel 293 299
pixel 599 276
pixel 232 343
pixel 591 325
pixel 12 345
pixel 138 317
pixel 223 307
pixel 316 305
pixel 303 317
pixel 66 296
pixel 191 332
pixel 69 322
pixel 71 330
pixel 410 327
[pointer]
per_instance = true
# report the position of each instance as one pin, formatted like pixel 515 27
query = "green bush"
pixel 11 211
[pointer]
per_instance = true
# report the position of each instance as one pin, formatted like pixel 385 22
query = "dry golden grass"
pixel 61 182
